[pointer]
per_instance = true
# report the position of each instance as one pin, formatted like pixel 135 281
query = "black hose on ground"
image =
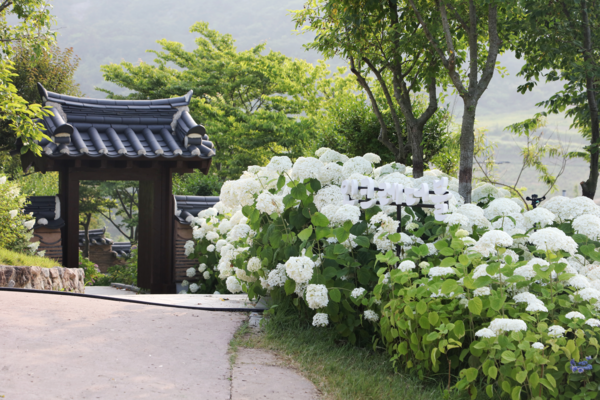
pixel 94 296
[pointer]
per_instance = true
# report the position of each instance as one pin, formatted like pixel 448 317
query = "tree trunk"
pixel 86 229
pixel 588 188
pixel 415 135
pixel 467 148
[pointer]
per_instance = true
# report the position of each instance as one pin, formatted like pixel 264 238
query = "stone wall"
pixel 56 278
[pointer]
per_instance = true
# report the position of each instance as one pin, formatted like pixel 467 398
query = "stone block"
pixel 56 278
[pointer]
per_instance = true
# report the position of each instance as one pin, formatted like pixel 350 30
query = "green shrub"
pixel 15 227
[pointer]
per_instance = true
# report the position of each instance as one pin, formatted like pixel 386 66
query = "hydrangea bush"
pixel 496 295
pixel 15 227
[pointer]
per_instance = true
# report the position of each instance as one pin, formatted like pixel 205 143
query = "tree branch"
pixel 383 134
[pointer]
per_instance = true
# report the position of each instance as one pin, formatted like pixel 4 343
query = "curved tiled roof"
pixel 46 211
pixel 117 128
pixel 96 237
pixel 187 207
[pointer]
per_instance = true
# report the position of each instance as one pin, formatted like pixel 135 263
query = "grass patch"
pixel 339 371
pixel 12 258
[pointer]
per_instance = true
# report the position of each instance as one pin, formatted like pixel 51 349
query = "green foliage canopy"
pixel 253 105
pixel 560 41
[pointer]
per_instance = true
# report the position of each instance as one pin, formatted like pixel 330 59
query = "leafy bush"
pixel 15 227
pixel 196 184
pixel 125 273
pixel 496 295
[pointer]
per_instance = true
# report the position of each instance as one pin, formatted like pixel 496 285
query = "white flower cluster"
pixel 317 296
pixel 299 269
pixel 500 325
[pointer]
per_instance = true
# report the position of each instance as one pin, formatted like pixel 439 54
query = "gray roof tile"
pixel 106 128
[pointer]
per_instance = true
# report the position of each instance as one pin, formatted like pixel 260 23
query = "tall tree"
pixel 561 41
pixel 55 69
pixel 253 105
pixel 124 214
pixel 91 202
pixel 380 38
pixel 31 31
pixel 467 35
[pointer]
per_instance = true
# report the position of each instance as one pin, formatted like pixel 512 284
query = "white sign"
pixel 395 194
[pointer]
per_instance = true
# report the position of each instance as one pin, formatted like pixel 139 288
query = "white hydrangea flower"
pixel 317 296
pixel 553 239
pixel 269 204
pixel 440 271
pixel 487 243
pixel 538 346
pixel 536 307
pixel 464 302
pixel 194 287
pixel 372 158
pixel 243 276
pixel 593 322
pixel 254 264
pixel 588 225
pixel 480 194
pixel 321 151
pixel 225 226
pixel 277 276
pixel 185 283
pixel 2 180
pixel 423 264
pixel 527 270
pixel 212 236
pixel 305 168
pixel 320 320
pixel 579 282
pixel 202 267
pixel 330 173
pixel 485 332
pixel 356 293
pixel 332 156
pixel 556 331
pixel 356 165
pixel 538 217
pixel 29 224
pixel 459 219
pixel 206 275
pixel 406 265
pixel 188 247
pixel 329 195
pixel 371 315
pixel 238 232
pixel 500 325
pixel 280 164
pixel 574 314
pixel 190 272
pixel 244 190
pixel 396 177
pixel 233 285
pixel 482 291
pixel 346 212
pixel 387 223
pixel 589 293
pixel 13 213
pixel 555 205
pixel 299 269
pixel 210 248
pixel 573 208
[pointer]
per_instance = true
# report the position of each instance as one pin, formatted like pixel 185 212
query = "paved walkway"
pixel 189 300
pixel 66 347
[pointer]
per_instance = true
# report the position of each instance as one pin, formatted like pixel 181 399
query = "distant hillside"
pixel 109 31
